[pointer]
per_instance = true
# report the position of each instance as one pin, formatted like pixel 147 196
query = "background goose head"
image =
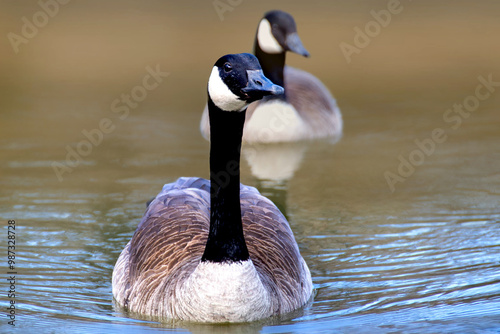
pixel 277 33
pixel 236 81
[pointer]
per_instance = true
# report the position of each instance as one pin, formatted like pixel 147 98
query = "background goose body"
pixel 306 111
pixel 215 251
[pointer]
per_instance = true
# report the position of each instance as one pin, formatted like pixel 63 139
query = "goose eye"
pixel 227 67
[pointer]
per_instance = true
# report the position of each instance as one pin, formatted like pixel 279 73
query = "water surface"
pixel 421 257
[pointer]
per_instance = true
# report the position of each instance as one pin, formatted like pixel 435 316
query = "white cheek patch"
pixel 267 41
pixel 221 95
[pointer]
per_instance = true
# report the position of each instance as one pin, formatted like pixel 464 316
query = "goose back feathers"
pixel 169 242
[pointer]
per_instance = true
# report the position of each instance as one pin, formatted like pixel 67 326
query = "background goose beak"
pixel 294 44
pixel 259 86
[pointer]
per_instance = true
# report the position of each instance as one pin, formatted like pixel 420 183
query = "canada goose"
pixel 306 111
pixel 215 251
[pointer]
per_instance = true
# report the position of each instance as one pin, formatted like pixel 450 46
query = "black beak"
pixel 259 86
pixel 294 44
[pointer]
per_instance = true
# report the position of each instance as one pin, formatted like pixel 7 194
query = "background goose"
pixel 307 110
pixel 226 257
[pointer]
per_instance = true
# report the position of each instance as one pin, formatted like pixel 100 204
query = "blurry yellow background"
pixel 66 77
pixel 102 47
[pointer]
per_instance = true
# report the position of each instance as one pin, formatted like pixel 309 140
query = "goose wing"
pixel 274 251
pixel 170 240
pixel 313 101
pixel 166 246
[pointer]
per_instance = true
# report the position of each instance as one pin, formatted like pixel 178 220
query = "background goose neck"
pixel 272 65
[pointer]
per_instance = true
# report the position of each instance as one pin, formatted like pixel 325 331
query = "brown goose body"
pixel 308 111
pixel 169 243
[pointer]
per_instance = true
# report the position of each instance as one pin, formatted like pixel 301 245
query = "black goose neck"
pixel 272 65
pixel 225 242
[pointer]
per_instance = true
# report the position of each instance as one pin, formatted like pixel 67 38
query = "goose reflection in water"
pixel 274 165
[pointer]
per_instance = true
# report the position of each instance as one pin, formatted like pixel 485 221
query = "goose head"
pixel 277 33
pixel 237 80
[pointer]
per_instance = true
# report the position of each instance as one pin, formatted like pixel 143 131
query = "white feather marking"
pixel 221 95
pixel 222 292
pixel 267 41
pixel 274 121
